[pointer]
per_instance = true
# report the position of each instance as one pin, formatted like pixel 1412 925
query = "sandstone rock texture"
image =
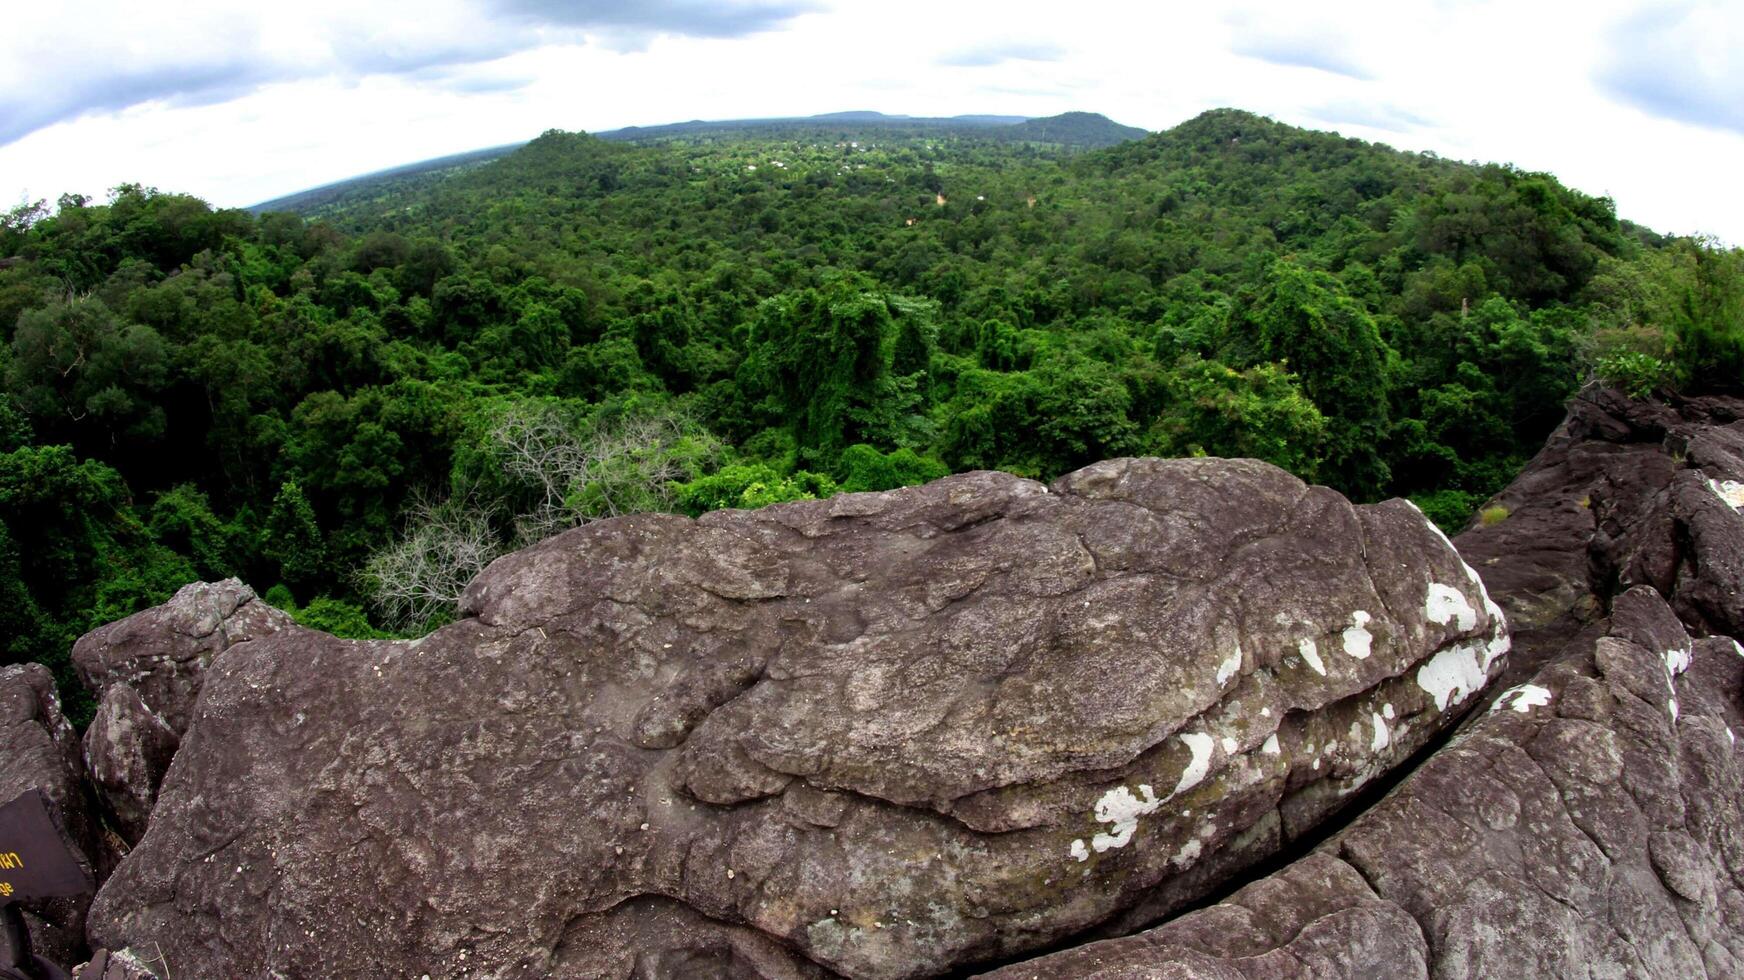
pixel 123 965
pixel 163 653
pixel 1625 493
pixel 128 748
pixel 1591 822
pixel 882 735
pixel 40 750
pixel 146 672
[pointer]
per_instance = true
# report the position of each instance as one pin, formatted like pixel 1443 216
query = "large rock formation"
pixel 40 750
pixel 1625 492
pixel 882 735
pixel 163 653
pixel 146 671
pixel 1589 823
pixel 128 749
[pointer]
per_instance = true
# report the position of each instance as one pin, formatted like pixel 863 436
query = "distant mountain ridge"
pixel 1086 130
pixel 1080 129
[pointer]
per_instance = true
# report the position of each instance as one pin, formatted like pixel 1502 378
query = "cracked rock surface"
pixel 163 652
pixel 146 671
pixel 882 735
pixel 1583 827
pixel 1591 822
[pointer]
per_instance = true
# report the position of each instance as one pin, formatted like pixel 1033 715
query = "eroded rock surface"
pixel 882 735
pixel 128 748
pixel 163 652
pixel 123 965
pixel 1626 492
pixel 146 672
pixel 40 750
pixel 1587 826
pixel 1589 823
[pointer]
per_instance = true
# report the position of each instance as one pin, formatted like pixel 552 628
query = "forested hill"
pixel 363 409
pixel 1066 132
pixel 1075 130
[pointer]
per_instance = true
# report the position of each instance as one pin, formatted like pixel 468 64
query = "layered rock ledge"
pixel 1586 826
pixel 1588 823
pixel 881 735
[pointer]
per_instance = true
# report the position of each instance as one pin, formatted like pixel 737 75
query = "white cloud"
pixel 298 96
pixel 1680 62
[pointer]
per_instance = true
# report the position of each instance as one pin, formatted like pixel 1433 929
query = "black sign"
pixel 37 859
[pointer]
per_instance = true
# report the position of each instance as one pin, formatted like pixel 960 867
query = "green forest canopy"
pixel 424 372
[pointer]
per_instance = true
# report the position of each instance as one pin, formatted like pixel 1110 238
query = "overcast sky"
pixel 240 102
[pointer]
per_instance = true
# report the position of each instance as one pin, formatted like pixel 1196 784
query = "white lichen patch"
pixel 1121 809
pixel 1358 641
pixel 1671 706
pixel 1229 667
pixel 1500 642
pixel 1453 674
pixel 1676 661
pixel 1470 572
pixel 1188 853
pixel 1523 698
pixel 1445 604
pixel 1271 746
pixel 1387 711
pixel 1731 491
pixel 1311 655
pixel 1199 745
pixel 1382 736
pixel 1230 745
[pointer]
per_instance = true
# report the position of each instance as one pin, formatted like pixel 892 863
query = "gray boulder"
pixel 163 652
pixel 1626 492
pixel 146 672
pixel 881 735
pixel 128 748
pixel 1587 825
pixel 122 965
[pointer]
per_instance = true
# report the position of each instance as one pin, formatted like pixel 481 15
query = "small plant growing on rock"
pixel 1636 374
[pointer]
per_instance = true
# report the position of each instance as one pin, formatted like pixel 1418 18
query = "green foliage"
pixel 1451 510
pixel 1637 375
pixel 1708 323
pixel 79 370
pixel 1304 320
pixel 292 539
pixel 748 486
pixel 817 359
pixel 341 618
pixel 864 468
pixel 1259 413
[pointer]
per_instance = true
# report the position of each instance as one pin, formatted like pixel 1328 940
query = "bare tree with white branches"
pixel 622 466
pixel 418 579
